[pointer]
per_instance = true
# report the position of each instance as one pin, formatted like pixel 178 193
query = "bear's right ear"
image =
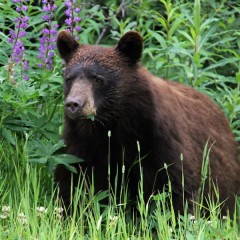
pixel 130 46
pixel 66 45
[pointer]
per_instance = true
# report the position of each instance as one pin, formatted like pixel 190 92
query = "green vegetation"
pixel 196 43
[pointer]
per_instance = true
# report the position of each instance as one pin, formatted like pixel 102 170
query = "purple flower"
pixel 72 20
pixel 46 8
pixel 68 21
pixel 77 19
pixel 25 65
pixel 24 8
pixel 25 77
pixel 15 37
pixel 45 18
pixel 77 28
pixel 22 34
pixel 77 10
pixel 48 39
pixel 68 12
pixel 68 3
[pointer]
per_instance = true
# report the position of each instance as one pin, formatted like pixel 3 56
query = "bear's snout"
pixel 74 106
pixel 80 101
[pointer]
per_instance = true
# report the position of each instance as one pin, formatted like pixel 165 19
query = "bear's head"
pixel 97 77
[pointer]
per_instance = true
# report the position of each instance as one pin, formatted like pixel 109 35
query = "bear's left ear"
pixel 66 45
pixel 130 46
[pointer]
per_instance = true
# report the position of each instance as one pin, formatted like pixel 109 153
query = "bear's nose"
pixel 74 105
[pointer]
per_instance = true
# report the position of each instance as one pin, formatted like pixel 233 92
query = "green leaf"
pixel 222 62
pixel 206 36
pixel 197 16
pixel 186 35
pixel 159 38
pixel 41 160
pixel 8 136
pixel 91 116
pixel 66 159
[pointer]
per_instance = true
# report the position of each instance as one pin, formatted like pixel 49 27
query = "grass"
pixel 29 211
pixel 28 219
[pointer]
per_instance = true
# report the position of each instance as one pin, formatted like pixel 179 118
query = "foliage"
pixel 193 43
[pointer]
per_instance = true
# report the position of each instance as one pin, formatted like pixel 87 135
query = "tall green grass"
pixel 29 213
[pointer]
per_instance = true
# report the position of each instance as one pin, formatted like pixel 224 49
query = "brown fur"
pixel 168 119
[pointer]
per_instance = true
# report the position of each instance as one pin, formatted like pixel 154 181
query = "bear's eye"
pixel 68 80
pixel 98 79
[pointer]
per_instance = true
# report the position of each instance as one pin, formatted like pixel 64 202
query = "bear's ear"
pixel 130 46
pixel 66 45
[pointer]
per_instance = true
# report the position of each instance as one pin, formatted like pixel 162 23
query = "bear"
pixel 162 125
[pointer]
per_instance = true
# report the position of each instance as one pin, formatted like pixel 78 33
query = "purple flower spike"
pixel 21 24
pixel 48 39
pixel 71 12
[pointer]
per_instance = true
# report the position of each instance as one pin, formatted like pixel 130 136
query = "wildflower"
pixel 5 212
pixel 58 209
pixel 191 217
pixel 22 218
pixel 21 23
pixel 58 212
pixel 5 209
pixel 48 39
pixel 72 20
pixel 41 211
pixel 3 216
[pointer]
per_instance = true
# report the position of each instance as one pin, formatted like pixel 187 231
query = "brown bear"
pixel 107 89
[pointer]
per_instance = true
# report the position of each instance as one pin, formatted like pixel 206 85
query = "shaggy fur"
pixel 168 119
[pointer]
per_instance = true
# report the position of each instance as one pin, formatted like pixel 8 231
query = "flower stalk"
pixel 72 16
pixel 18 49
pixel 48 39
